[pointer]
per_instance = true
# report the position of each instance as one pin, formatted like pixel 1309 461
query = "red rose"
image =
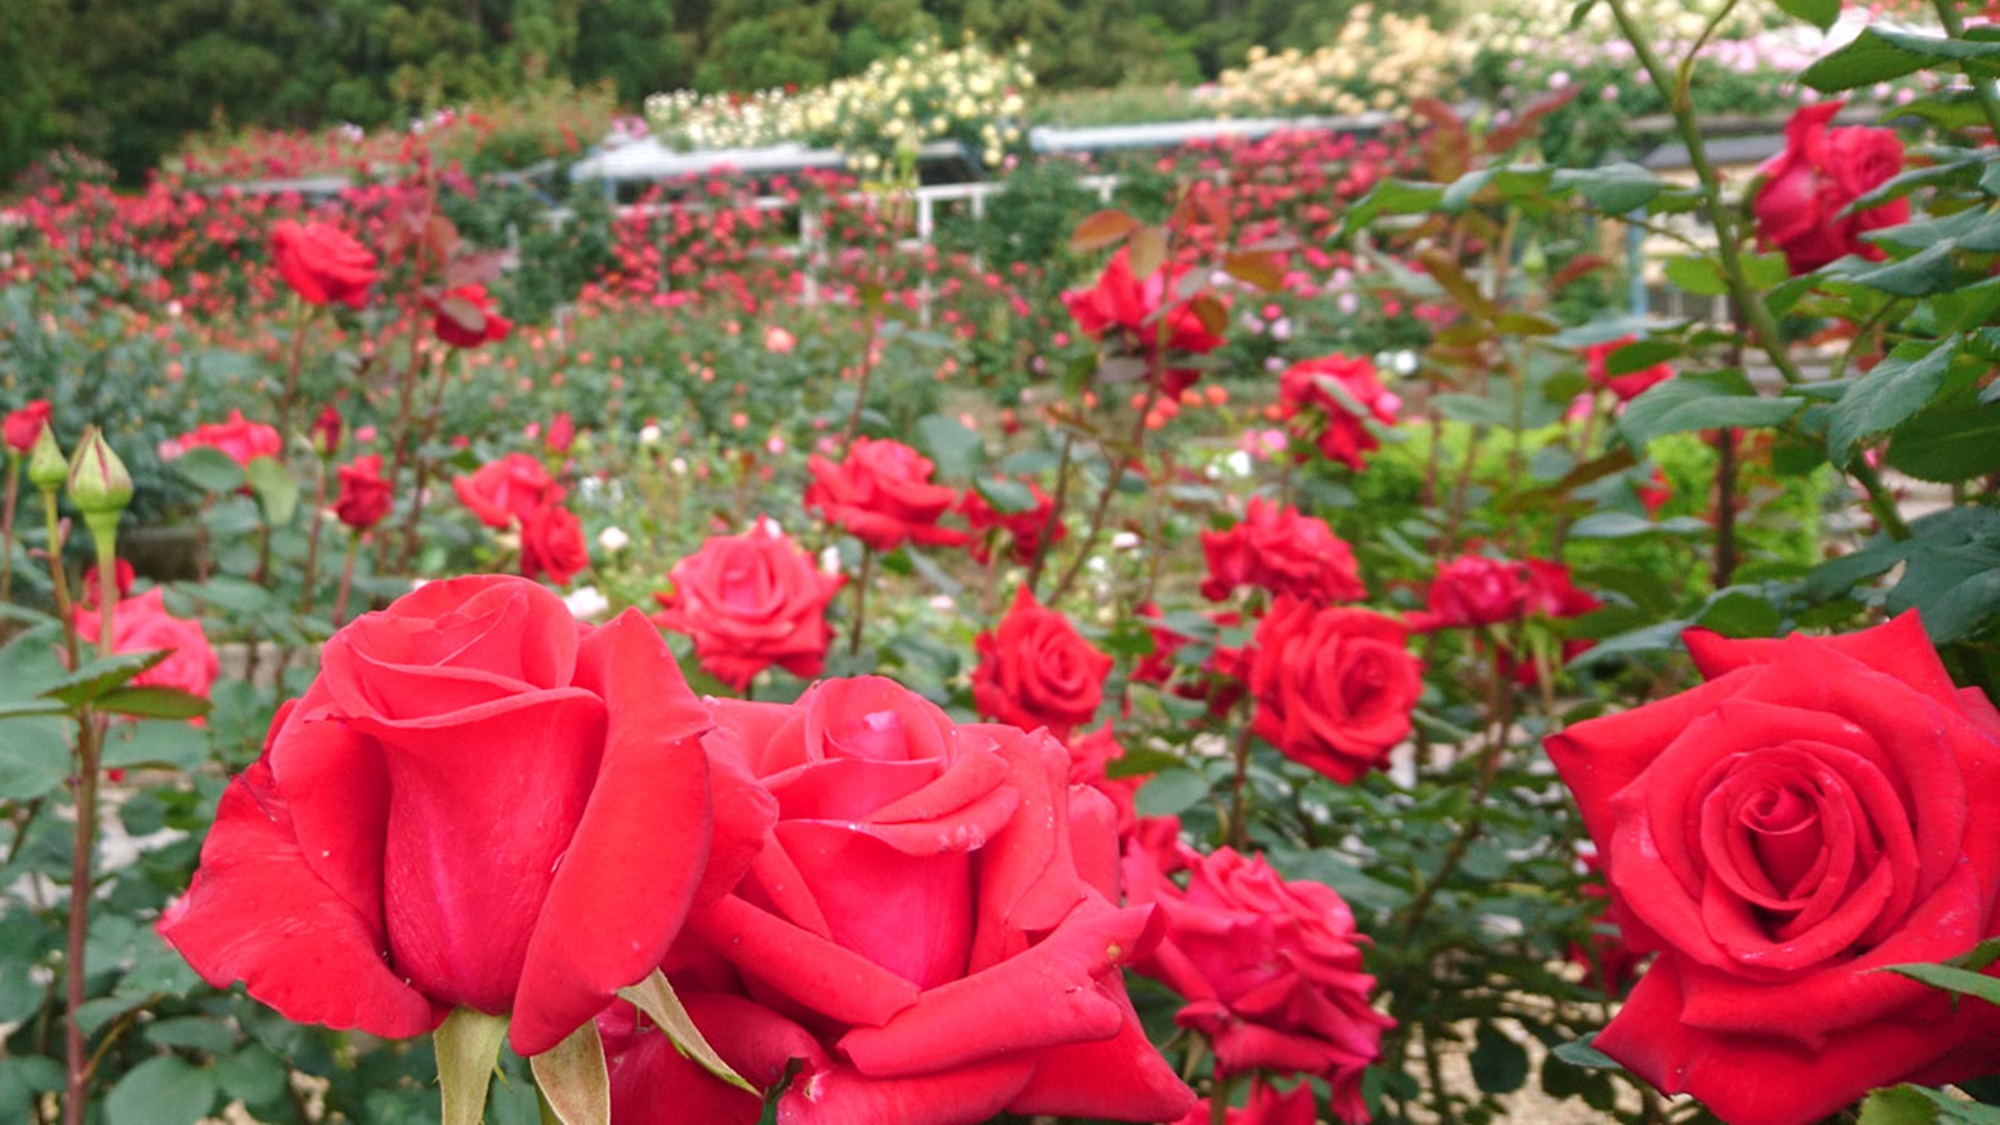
pixel 1632 384
pixel 142 624
pixel 467 317
pixel 1325 394
pixel 365 498
pixel 1029 532
pixel 881 494
pixel 1125 310
pixel 1036 670
pixel 1821 808
pixel 1271 970
pixel 1279 550
pixel 242 441
pixel 1819 173
pixel 1334 687
pixel 561 434
pixel 751 601
pixel 326 431
pixel 502 491
pixel 929 928
pixel 322 264
pixel 122 577
pixel 1265 1106
pixel 479 803
pixel 1090 757
pixel 1609 965
pixel 552 544
pixel 1551 592
pixel 1473 590
pixel 24 426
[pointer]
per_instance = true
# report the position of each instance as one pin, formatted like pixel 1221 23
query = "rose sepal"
pixel 655 996
pixel 468 1051
pixel 574 1080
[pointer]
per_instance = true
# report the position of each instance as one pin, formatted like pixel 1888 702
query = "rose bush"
pixel 479 803
pixel 1820 809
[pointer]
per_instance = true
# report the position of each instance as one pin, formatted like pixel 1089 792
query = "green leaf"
pixel 1697 274
pixel 30 708
pixel 947 441
pixel 196 1033
pixel 1893 391
pixel 1947 445
pixel 1738 613
pixel 1702 402
pixel 34 757
pixel 1008 497
pixel 1625 525
pixel 1171 792
pixel 1879 54
pixel 153 703
pixel 1616 188
pixel 655 997
pixel 468 1049
pixel 102 675
pixel 1921 274
pixel 1584 1053
pixel 1899 1105
pixel 155 743
pixel 1392 197
pixel 253 1074
pixel 1962 981
pixel 276 489
pixel 163 1090
pixel 1499 1065
pixel 1639 355
pixel 1822 14
pixel 209 469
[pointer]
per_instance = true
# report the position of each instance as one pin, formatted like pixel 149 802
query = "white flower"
pixel 585 602
pixel 1124 541
pixel 829 560
pixel 613 539
pixel 649 435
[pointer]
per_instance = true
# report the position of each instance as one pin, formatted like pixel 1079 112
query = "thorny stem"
pixel 1131 451
pixel 1056 509
pixel 301 317
pixel 346 581
pixel 315 518
pixel 869 357
pixel 860 599
pixel 1239 790
pixel 90 741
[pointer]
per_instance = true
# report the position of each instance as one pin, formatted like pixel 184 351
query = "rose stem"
pixel 1239 788
pixel 13 496
pixel 431 423
pixel 301 317
pixel 860 599
pixel 346 580
pixel 1218 1100
pixel 1055 510
pixel 90 734
pixel 316 517
pixel 1135 442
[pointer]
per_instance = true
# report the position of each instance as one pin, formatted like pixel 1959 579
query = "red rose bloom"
pixel 881 494
pixel 24 426
pixel 1306 391
pixel 1551 593
pixel 142 624
pixel 322 264
pixel 1036 670
pixel 326 431
pixel 480 802
pixel 506 490
pixel 552 544
pixel 751 601
pixel 1271 970
pixel 1632 384
pixel 1265 1106
pixel 1090 757
pixel 1279 550
pixel 242 441
pixel 1819 173
pixel 1125 310
pixel 467 317
pixel 929 929
pixel 1334 687
pixel 1473 590
pixel 365 498
pixel 1820 809
pixel 1029 532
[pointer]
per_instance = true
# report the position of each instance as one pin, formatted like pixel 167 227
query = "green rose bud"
pixel 98 482
pixel 47 467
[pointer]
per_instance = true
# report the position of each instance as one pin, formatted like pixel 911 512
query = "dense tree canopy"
pixel 125 80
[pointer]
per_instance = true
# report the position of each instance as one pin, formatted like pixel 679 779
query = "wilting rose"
pixel 467 317
pixel 552 543
pixel 479 803
pixel 142 624
pixel 1820 809
pixel 1321 413
pixel 503 491
pixel 24 426
pixel 322 263
pixel 882 494
pixel 1334 687
pixel 1270 968
pixel 239 439
pixel 1036 670
pixel 1029 532
pixel 365 498
pixel 1818 174
pixel 1125 310
pixel 751 601
pixel 1632 384
pixel 1279 550
pixel 929 928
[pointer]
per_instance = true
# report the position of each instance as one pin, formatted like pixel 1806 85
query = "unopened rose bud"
pixel 47 467
pixel 326 432
pixel 98 482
